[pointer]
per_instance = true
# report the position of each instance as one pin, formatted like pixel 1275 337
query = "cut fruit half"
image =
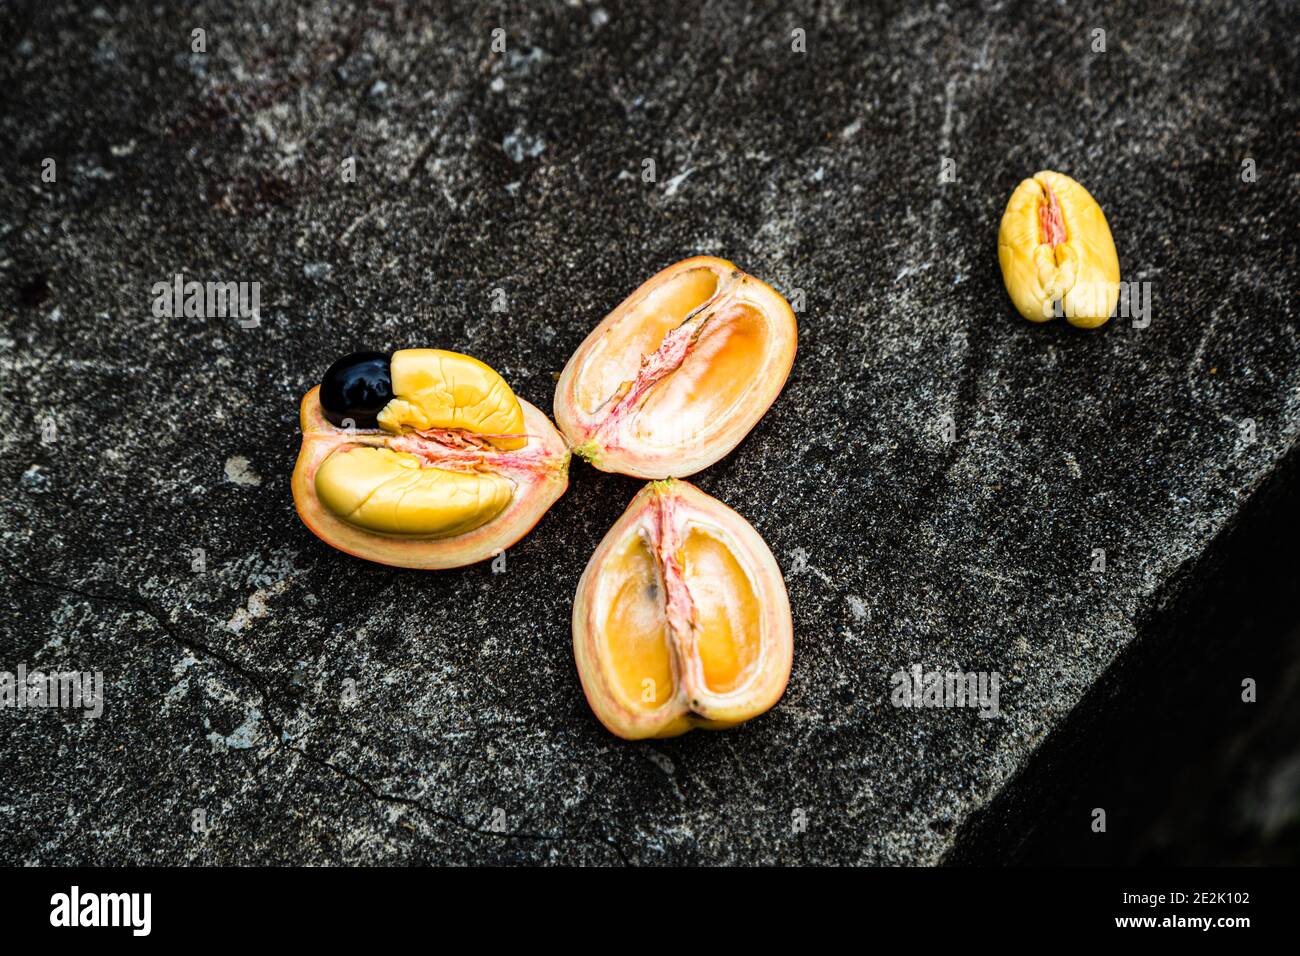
pixel 459 470
pixel 681 618
pixel 672 380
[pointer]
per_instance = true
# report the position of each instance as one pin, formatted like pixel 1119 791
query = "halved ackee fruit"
pixel 673 379
pixel 681 618
pixel 423 459
pixel 1057 253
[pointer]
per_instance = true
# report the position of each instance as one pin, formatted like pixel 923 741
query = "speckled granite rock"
pixel 468 738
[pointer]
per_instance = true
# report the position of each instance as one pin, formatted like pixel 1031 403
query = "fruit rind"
pixel 588 451
pixel 540 471
pixel 611 445
pixel 692 704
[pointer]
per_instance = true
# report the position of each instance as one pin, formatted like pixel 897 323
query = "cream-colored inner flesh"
pixel 717 373
pixel 636 628
pixel 729 616
pixel 389 492
pixel 616 358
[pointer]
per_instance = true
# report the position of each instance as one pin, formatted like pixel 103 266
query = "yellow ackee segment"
pixel 387 491
pixel 729 616
pixel 434 388
pixel 636 629
pixel 1054 245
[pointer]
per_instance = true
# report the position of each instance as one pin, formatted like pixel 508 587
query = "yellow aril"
pixel 434 388
pixel 389 492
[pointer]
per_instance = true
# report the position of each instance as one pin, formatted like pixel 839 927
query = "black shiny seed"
pixel 356 387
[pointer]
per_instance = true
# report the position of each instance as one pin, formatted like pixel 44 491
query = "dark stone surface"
pixel 521 171
pixel 1187 773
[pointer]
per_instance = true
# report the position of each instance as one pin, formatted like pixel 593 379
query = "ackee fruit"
pixel 1057 253
pixel 423 459
pixel 671 380
pixel 681 618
